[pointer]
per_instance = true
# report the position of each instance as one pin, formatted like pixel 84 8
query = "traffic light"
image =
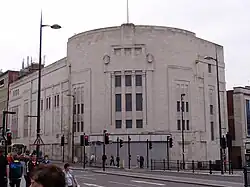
pixel 86 140
pixel 229 140
pixel 223 142
pixel 9 138
pixel 106 138
pixel 62 141
pixel 121 143
pixel 170 142
pixel 150 145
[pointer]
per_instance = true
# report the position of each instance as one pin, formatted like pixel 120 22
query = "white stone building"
pixel 129 79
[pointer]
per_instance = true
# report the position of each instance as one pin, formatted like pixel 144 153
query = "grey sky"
pixel 225 22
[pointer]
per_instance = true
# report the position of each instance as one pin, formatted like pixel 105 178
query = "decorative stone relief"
pixel 106 59
pixel 150 58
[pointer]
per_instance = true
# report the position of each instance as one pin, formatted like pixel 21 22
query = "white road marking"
pixel 94 185
pixel 83 177
pixel 151 183
pixel 113 182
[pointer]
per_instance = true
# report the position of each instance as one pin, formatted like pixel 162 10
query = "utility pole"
pixel 129 155
pixel 182 129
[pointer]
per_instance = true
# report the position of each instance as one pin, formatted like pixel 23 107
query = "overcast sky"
pixel 225 22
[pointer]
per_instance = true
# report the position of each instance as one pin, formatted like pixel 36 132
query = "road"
pixel 88 178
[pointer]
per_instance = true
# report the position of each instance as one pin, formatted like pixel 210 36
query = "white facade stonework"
pixel 129 79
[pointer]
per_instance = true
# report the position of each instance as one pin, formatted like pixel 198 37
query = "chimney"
pixel 28 63
pixel 23 64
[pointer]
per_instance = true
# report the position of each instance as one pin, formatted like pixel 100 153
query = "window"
pixel 139 102
pixel 49 102
pixel 183 125
pixel 129 124
pixel 74 126
pixel 118 124
pixel 118 102
pixel 82 126
pixel 57 100
pixel 78 126
pixel 182 106
pixel 178 106
pixel 178 124
pixel 187 124
pixel 74 109
pixel 187 107
pixel 2 83
pixel 139 123
pixel 118 81
pixel 82 108
pixel 209 68
pixel 78 109
pixel 138 80
pixel 211 109
pixel 128 98
pixel 212 130
pixel 128 80
pixel 41 104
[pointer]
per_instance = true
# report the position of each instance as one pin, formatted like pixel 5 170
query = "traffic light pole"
pixel 168 152
pixel 147 153
pixel 3 134
pixel 118 152
pixel 129 155
pixel 84 152
pixel 104 152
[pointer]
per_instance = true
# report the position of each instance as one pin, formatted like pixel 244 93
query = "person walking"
pixel 15 172
pixel 32 163
pixel 112 161
pixel 69 177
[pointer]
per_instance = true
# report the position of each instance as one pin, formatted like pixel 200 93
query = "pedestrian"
pixel 69 177
pixel 47 176
pixel 141 162
pixel 46 160
pixel 15 172
pixel 32 163
pixel 3 172
pixel 112 160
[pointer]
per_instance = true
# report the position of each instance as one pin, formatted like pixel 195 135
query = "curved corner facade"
pixel 129 80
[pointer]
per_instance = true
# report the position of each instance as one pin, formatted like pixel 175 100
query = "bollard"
pixel 210 167
pixel 193 165
pixel 178 167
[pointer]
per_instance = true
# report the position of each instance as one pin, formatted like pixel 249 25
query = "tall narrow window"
pixel 128 98
pixel 139 123
pixel 183 125
pixel 212 130
pixel 74 126
pixel 129 124
pixel 178 124
pixel 49 102
pixel 118 81
pixel 183 106
pixel 82 126
pixel 187 124
pixel 178 106
pixel 209 68
pixel 128 80
pixel 139 102
pixel 118 124
pixel 138 80
pixel 187 107
pixel 41 104
pixel 74 110
pixel 57 100
pixel 118 102
pixel 82 108
pixel 78 126
pixel 211 109
pixel 78 108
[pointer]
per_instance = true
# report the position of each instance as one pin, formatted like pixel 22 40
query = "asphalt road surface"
pixel 88 178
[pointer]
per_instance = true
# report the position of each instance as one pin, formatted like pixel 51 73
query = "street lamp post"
pixel 182 130
pixel 38 136
pixel 219 107
pixel 73 128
